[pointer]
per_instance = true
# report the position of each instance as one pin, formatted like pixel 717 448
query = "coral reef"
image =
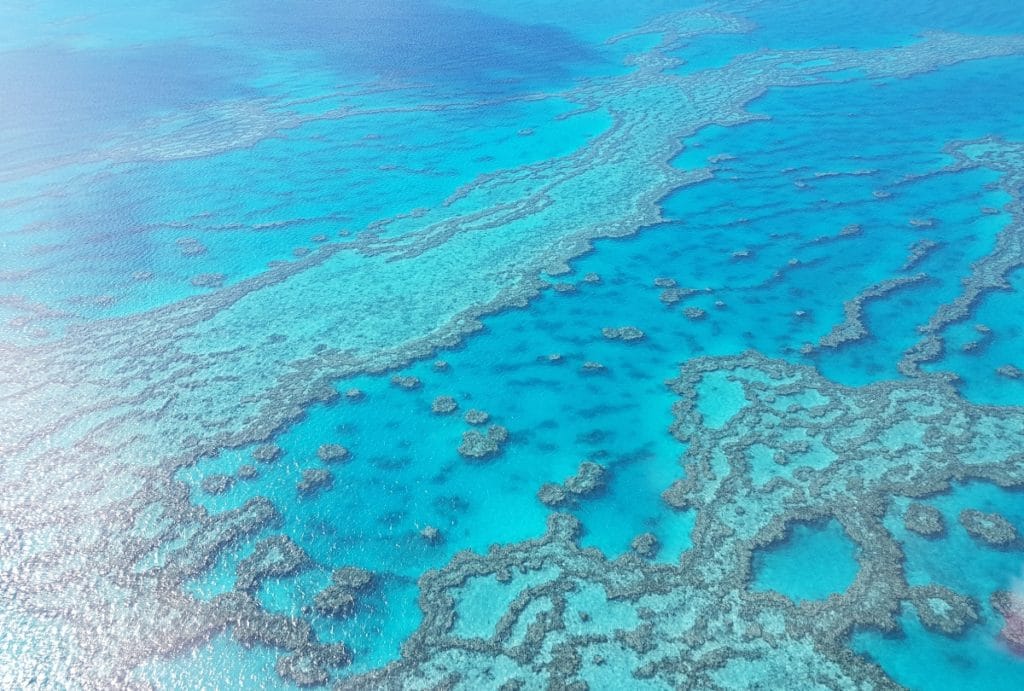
pixel 210 280
pixel 406 382
pixel 218 483
pixel 622 333
pixel 190 247
pixel 989 528
pixel 274 557
pixel 1011 607
pixel 335 601
pixel 671 296
pixel 924 520
pixel 699 623
pixel 199 550
pixel 308 667
pixel 246 472
pixel 476 417
pixel 645 545
pixel 1010 372
pixel 552 494
pixel 431 535
pixel 852 328
pixel 159 387
pixel 479 446
pixel 309 662
pixel 942 610
pixel 339 598
pixel 991 271
pixel 314 480
pixel 332 453
pixel 918 252
pixel 985 336
pixel 352 577
pixel 443 405
pixel 267 453
pixel 590 478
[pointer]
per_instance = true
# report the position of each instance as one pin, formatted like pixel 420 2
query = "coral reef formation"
pixel 339 598
pixel 313 481
pixel 332 453
pixel 590 478
pixel 700 623
pixel 479 446
pixel 474 416
pixel 442 405
pixel 622 333
pixel 989 528
pixel 924 520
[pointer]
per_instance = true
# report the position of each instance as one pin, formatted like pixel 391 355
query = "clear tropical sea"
pixel 512 344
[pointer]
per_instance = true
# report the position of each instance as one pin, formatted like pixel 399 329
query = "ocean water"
pixel 612 345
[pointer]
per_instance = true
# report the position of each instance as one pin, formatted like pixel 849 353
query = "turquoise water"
pixel 239 235
pixel 813 563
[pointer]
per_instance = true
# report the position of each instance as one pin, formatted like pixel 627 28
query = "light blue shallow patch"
pixel 811 563
pixel 484 600
pixel 719 398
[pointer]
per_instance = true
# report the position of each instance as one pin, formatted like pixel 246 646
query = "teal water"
pixel 812 563
pixel 221 219
pixel 978 570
